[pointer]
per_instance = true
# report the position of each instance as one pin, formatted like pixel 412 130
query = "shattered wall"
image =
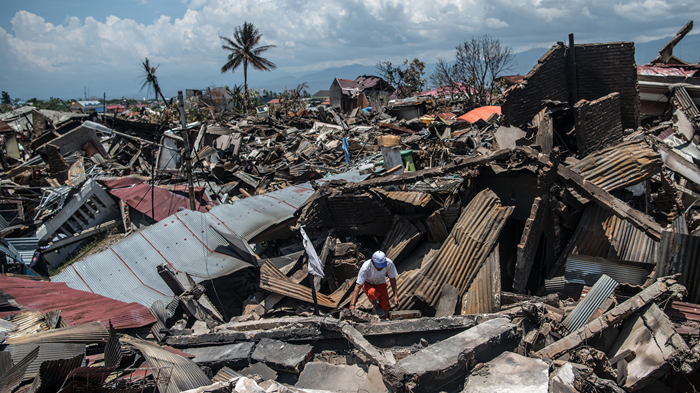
pixel 605 68
pixel 598 123
pixel 601 69
pixel 547 80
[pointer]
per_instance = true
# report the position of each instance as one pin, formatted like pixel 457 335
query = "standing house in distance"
pixel 364 91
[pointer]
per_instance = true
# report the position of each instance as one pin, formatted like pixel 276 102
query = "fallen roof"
pixel 164 202
pixel 187 241
pixel 77 307
pixel 665 71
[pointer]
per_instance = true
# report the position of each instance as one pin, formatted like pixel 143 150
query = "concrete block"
pixel 509 373
pixel 216 357
pixel 282 356
pixel 341 378
pixel 260 369
pixel 404 314
pixel 443 362
pixel 447 302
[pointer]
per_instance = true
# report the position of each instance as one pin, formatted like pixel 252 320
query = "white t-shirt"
pixel 370 274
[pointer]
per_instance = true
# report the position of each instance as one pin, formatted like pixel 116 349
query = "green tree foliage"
pixel 245 50
pixel 408 80
pixel 6 98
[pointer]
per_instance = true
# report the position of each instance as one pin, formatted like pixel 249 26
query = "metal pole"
pixel 313 294
pixel 186 157
pixel 104 107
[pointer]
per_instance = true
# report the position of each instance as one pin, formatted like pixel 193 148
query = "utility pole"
pixel 186 156
pixel 104 106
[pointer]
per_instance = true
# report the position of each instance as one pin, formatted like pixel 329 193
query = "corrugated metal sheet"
pixel 681 95
pixel 595 298
pixel 410 202
pixel 602 234
pixel 93 332
pixel 186 241
pixel 401 239
pixel 484 295
pixel 52 374
pixel 46 296
pixel 50 351
pixel 5 362
pixel 14 375
pixel 464 252
pixel 164 202
pixel 680 253
pixel 583 269
pixel 620 166
pixel 566 290
pixel 3 223
pixel 185 373
pixel 664 71
pixel 28 322
pixel 273 280
pixel 225 375
pixel 25 246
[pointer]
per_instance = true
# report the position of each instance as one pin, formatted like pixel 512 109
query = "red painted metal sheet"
pixel 166 202
pixel 76 307
pixel 480 113
pixel 121 182
pixel 665 71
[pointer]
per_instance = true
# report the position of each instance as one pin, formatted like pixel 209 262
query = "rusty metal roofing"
pixel 225 375
pixel 602 234
pixel 665 71
pixel 87 333
pixel 679 253
pixel 52 374
pixel 185 373
pixel 484 295
pixel 48 351
pixel 77 307
pixel 620 166
pixel 273 280
pixel 15 374
pixel 401 239
pixel 584 269
pixel 464 252
pixel 164 202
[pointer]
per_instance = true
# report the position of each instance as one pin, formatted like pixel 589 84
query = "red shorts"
pixel 377 293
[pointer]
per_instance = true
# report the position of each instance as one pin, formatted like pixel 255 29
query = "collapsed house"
pixel 548 249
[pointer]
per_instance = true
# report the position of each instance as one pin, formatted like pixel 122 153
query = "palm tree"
pixel 245 50
pixel 150 81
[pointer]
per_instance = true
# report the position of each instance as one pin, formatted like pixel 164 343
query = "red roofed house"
pixel 348 95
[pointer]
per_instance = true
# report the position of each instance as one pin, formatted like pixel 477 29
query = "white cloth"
pixel 314 264
pixel 369 273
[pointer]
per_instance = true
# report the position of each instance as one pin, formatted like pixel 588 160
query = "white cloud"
pixel 495 23
pixel 314 34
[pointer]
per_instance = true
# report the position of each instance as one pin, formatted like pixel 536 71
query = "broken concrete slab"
pixel 441 363
pixel 664 287
pixel 282 356
pixel 507 373
pixel 506 137
pixel 447 302
pixel 656 345
pixel 341 378
pixel 216 357
pixel 260 369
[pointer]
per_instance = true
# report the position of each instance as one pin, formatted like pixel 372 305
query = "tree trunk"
pixel 245 81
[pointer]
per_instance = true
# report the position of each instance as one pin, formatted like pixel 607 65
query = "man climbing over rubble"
pixel 372 280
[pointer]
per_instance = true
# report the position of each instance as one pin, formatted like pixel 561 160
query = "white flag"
pixel 314 264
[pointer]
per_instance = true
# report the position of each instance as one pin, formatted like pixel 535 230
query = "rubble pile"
pixel 546 245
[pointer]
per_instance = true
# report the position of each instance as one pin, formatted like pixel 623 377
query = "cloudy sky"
pixel 50 47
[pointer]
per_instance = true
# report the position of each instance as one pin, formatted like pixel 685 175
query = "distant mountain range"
pixel 688 49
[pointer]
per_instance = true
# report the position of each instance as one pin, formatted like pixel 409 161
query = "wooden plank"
pixel 527 248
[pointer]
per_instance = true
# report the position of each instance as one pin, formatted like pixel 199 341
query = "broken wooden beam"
pixel 395 128
pixel 527 248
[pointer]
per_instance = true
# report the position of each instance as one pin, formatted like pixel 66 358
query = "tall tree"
pixel 150 81
pixel 478 63
pixel 408 81
pixel 6 98
pixel 245 50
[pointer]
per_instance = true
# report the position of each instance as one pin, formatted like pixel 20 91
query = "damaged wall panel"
pixel 598 123
pixel 484 294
